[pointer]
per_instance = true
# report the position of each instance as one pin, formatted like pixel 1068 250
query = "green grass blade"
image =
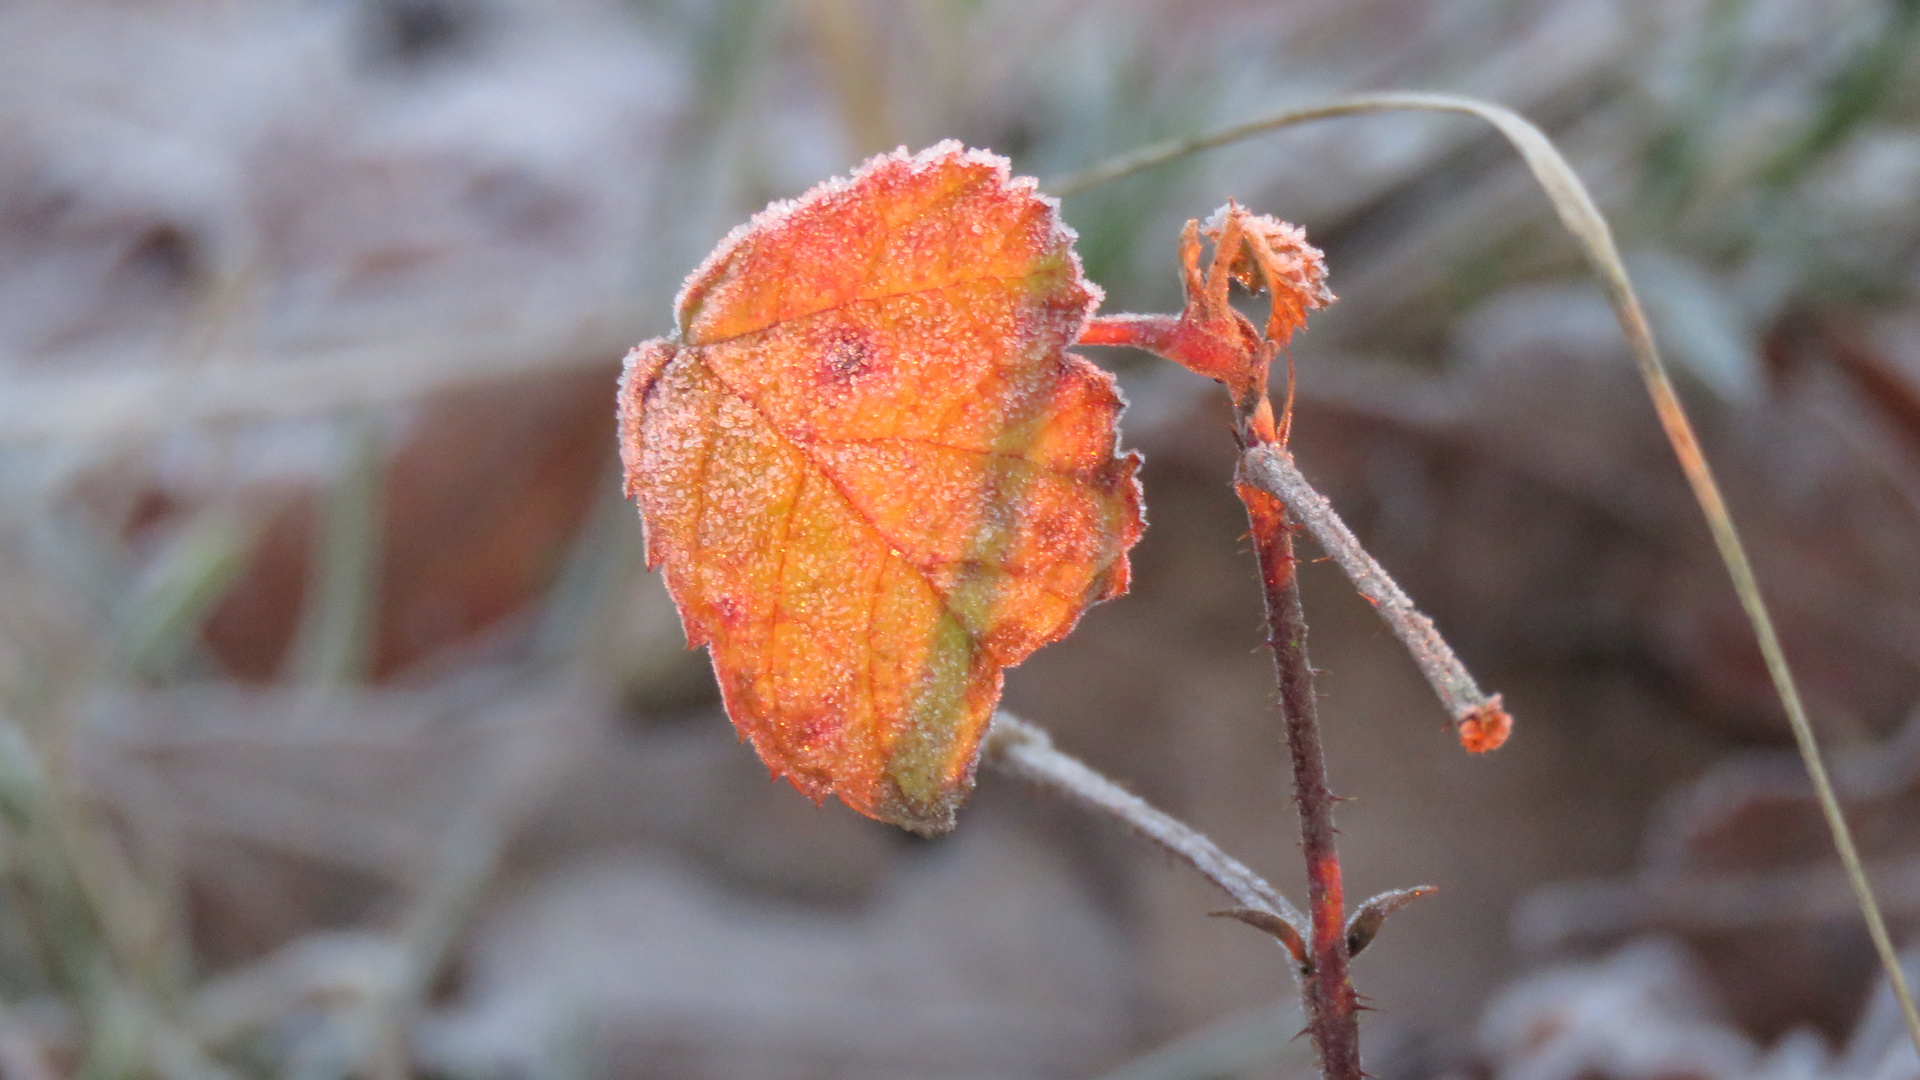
pixel 158 624
pixel 334 643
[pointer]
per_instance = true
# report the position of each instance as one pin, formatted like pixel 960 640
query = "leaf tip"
pixel 1267 254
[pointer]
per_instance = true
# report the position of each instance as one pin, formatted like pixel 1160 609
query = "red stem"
pixel 1332 1010
pixel 1211 338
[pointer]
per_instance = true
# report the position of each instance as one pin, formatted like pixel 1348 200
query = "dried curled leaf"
pixel 875 476
pixel 1210 337
pixel 1265 254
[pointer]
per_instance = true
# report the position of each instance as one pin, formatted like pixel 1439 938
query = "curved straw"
pixel 1582 219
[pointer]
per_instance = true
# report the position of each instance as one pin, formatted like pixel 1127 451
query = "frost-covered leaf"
pixel 874 475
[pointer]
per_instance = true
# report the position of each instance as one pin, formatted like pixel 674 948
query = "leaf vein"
pixel 875 299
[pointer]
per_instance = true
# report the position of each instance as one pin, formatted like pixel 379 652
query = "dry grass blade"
pixel 1583 219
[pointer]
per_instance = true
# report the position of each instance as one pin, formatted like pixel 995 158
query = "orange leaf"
pixel 875 476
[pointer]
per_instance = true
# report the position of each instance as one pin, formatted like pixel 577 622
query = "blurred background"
pixel 342 733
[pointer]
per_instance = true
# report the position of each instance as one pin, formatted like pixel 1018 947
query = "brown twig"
pixel 1483 724
pixel 1026 751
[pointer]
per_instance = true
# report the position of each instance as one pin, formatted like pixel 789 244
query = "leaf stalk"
pixel 1021 749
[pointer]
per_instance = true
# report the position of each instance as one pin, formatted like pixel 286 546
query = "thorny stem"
pixel 1483 723
pixel 1023 750
pixel 1584 221
pixel 1211 338
pixel 1331 1007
